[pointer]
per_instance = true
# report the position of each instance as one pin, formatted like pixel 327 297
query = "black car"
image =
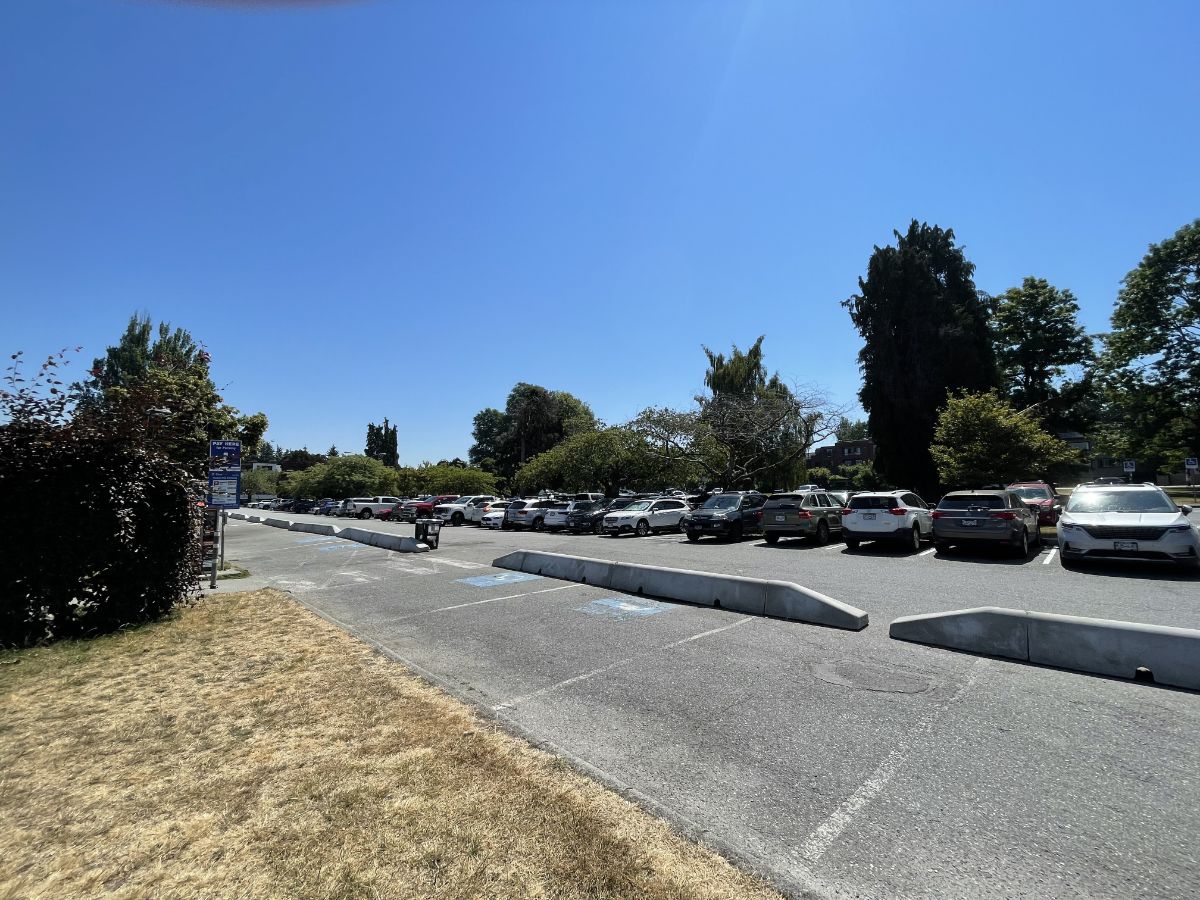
pixel 726 515
pixel 301 506
pixel 590 518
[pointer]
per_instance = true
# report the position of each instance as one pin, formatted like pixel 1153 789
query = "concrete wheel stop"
pixel 1161 653
pixel 755 596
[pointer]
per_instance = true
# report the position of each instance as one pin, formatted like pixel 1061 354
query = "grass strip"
pixel 246 748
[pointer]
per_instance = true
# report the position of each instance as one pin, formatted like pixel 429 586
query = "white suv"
pixel 899 516
pixel 458 511
pixel 1126 521
pixel 644 516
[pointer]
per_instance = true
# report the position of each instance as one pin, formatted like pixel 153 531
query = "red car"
pixel 1041 498
pixel 421 508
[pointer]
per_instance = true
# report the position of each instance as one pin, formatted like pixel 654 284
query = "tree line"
pixel 963 387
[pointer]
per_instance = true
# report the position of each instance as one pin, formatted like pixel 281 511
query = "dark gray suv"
pixel 995 517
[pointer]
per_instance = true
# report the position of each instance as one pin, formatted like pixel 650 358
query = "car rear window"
pixel 984 501
pixel 725 501
pixel 872 502
pixel 518 504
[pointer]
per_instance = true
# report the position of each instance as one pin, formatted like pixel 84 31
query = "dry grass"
pixel 245 748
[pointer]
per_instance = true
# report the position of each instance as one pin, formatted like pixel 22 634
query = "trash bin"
pixel 429 531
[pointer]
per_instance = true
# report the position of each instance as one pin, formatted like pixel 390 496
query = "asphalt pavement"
pixel 835 763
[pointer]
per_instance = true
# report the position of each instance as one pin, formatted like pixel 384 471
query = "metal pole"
pixel 224 519
pixel 212 584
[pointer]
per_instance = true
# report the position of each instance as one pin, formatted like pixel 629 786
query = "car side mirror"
pixel 1186 510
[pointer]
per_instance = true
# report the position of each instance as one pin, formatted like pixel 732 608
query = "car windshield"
pixel 1120 501
pixel 1033 493
pixel 982 501
pixel 724 502
pixel 872 502
pixel 582 506
pixel 638 506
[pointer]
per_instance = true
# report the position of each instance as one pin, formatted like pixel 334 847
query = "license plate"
pixel 781 518
pixel 868 515
pixel 1125 545
pixel 969 522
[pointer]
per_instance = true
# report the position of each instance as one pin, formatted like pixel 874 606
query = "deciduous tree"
pixel 981 439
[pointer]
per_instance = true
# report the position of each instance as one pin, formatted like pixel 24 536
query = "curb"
pixel 1093 646
pixel 755 596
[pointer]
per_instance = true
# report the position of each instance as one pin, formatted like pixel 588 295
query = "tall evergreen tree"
pixel 1038 338
pixel 382 443
pixel 157 381
pixel 925 332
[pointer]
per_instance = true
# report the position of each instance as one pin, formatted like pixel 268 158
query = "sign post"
pixel 224 493
pixel 1129 466
pixel 1190 464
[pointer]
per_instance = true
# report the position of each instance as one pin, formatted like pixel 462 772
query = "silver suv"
pixel 1127 521
pixel 985 517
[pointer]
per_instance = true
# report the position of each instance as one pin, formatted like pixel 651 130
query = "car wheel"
pixel 693 536
pixel 1021 550
pixel 852 543
pixel 598 528
pixel 365 514
pixel 915 538
pixel 505 526
pixel 538 525
pixel 643 528
pixel 772 538
pixel 821 538
pixel 737 532
pixel 456 519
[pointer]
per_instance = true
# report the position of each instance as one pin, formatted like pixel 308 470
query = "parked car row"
pixel 1098 521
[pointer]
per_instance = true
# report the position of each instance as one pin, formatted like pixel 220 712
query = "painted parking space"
pixel 621 608
pixel 503 578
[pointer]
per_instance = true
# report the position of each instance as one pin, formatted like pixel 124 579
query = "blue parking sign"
pixel 224 489
pixel 225 456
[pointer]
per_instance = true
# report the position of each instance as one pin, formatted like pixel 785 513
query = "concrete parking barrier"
pixel 255 519
pixel 313 528
pixel 278 523
pixel 237 515
pixel 385 541
pixel 755 596
pixel 1095 646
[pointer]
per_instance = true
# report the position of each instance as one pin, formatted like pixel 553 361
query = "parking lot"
pixel 836 763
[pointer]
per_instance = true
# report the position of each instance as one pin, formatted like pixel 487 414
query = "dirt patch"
pixel 246 748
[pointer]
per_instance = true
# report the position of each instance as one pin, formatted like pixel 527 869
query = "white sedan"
pixel 644 516
pixel 494 518
pixel 479 510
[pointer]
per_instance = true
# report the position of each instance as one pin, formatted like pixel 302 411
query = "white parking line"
pixel 458 563
pixel 822 837
pixel 494 599
pixel 509 704
pixel 927 552
pixel 1049 556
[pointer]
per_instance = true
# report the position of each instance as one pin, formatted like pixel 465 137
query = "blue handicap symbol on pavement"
pixel 346 545
pixel 495 580
pixel 619 608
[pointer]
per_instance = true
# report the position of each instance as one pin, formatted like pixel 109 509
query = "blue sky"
pixel 400 209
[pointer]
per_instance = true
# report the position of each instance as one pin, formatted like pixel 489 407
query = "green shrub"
pixel 99 531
